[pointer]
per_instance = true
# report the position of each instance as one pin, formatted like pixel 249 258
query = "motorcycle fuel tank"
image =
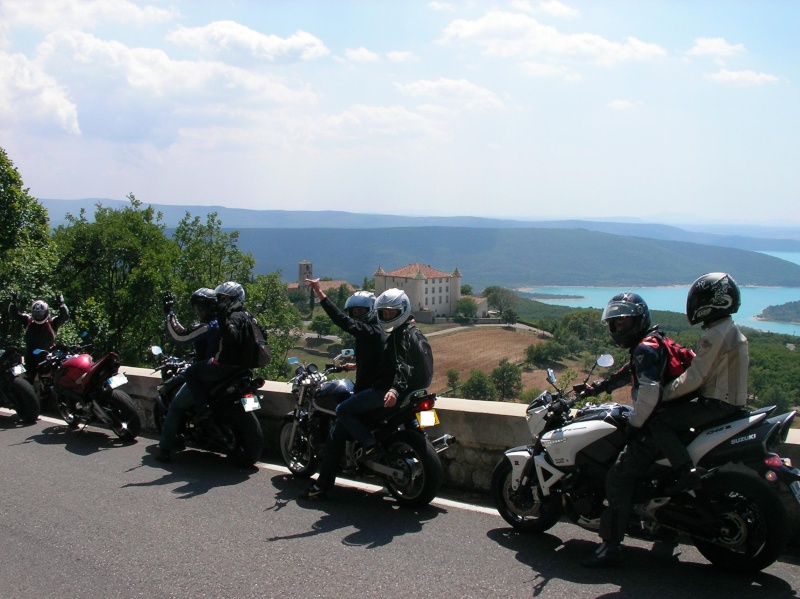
pixel 73 371
pixel 563 444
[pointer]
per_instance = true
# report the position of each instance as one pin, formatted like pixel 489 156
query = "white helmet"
pixel 230 295
pixel 392 299
pixel 361 299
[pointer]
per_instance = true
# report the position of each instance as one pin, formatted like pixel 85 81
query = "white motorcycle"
pixel 736 519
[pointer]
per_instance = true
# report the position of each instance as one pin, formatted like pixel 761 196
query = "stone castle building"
pixel 428 289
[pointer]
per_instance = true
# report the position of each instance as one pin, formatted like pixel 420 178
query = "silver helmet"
pixel 230 295
pixel 393 309
pixel 361 299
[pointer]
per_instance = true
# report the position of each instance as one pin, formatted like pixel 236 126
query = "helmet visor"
pixel 619 309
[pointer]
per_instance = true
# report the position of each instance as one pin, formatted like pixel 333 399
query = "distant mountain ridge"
pixel 488 252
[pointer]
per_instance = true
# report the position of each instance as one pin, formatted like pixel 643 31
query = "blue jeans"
pixel 349 414
pixel 202 376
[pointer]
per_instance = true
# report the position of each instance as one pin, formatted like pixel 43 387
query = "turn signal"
pixel 773 461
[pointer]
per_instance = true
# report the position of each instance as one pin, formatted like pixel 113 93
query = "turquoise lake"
pixel 754 299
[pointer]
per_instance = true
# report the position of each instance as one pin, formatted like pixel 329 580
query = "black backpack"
pixel 254 337
pixel 422 373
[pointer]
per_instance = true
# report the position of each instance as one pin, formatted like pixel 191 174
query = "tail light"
pixel 427 403
pixel 773 461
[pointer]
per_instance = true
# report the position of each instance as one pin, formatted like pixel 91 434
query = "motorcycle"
pixel 736 519
pixel 410 464
pixel 233 428
pixel 86 391
pixel 15 390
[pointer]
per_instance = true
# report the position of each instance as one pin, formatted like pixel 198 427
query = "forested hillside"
pixel 511 258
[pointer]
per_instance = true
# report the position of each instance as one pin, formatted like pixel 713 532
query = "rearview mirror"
pixel 551 377
pixel 605 360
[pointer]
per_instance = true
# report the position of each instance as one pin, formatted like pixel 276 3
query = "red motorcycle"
pixel 86 391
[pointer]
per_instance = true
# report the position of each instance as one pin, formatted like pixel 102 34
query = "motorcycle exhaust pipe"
pixel 443 442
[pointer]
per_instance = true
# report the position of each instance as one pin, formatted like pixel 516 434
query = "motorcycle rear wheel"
pixel 65 410
pixel 753 527
pixel 299 455
pixel 24 399
pixel 242 437
pixel 125 421
pixel 413 452
pixel 526 509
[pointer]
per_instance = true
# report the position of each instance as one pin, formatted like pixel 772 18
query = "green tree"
pixel 453 378
pixel 115 270
pixel 500 298
pixel 466 307
pixel 321 325
pixel 466 290
pixel 479 386
pixel 23 220
pixel 207 255
pixel 509 316
pixel 507 379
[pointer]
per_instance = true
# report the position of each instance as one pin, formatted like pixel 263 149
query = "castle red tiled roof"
pixel 326 286
pixel 412 270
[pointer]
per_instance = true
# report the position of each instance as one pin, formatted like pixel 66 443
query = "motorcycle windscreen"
pixel 563 444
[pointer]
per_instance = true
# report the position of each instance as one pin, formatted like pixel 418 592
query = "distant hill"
pixel 510 257
pixel 515 254
pixel 754 238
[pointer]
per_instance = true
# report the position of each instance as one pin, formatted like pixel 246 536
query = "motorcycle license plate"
pixel 427 418
pixel 795 487
pixel 250 403
pixel 117 380
pixel 17 370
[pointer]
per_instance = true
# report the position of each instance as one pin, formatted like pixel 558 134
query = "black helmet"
pixel 711 297
pixel 627 304
pixel 204 297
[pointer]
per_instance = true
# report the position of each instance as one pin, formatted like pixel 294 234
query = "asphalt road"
pixel 82 515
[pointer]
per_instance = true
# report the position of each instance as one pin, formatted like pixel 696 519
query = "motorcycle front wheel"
pixel 526 509
pixel 242 438
pixel 751 528
pixel 67 412
pixel 411 452
pixel 125 421
pixel 23 396
pixel 298 454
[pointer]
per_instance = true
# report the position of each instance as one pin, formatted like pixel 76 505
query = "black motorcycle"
pixel 15 391
pixel 410 464
pixel 232 429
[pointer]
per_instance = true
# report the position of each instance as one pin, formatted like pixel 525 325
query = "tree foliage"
pixel 479 385
pixel 507 379
pixel 500 298
pixel 466 307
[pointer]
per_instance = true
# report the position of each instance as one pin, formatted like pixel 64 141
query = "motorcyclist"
pixel 40 329
pixel 628 319
pixel 360 320
pixel 715 384
pixel 205 337
pixel 396 377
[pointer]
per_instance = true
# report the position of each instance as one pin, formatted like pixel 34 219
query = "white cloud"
pixel 742 78
pixel 363 121
pixel 559 9
pixel 29 95
pixel 462 93
pixel 441 6
pixel 362 55
pixel 229 35
pixel 68 14
pixel 509 35
pixel 716 47
pixel 623 105
pixel 153 70
pixel 399 56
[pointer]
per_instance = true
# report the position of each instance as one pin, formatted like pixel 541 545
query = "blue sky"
pixel 664 111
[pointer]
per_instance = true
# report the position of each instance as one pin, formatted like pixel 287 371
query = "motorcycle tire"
pixel 23 398
pixel 526 509
pixel 243 438
pixel 125 421
pixel 299 457
pixel 752 527
pixel 413 452
pixel 65 410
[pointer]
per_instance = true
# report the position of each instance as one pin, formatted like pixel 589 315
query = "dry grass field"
pixel 482 348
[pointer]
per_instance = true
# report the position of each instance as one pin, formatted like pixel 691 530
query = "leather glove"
pixel 59 299
pixel 169 301
pixel 582 390
pixel 15 297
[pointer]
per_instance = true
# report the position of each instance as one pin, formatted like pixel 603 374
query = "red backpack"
pixel 679 358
